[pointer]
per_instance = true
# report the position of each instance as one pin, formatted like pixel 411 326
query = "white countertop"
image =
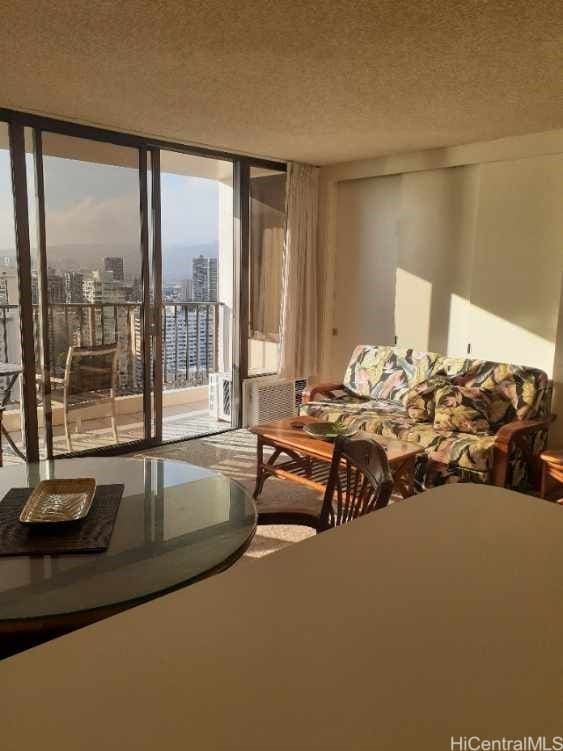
pixel 441 615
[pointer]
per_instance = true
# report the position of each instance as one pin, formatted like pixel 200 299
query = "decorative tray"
pixel 56 501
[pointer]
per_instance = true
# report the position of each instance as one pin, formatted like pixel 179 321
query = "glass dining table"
pixel 176 524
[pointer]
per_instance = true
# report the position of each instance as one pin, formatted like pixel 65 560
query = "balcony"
pixel 193 336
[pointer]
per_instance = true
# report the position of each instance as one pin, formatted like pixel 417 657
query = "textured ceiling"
pixel 313 81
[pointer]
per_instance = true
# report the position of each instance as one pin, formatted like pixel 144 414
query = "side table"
pixel 552 475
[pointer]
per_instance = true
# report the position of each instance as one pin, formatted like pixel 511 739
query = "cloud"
pixel 109 215
pixel 94 221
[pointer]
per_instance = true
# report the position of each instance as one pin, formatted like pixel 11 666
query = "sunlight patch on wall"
pixel 458 326
pixel 494 338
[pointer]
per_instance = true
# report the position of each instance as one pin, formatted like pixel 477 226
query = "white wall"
pixel 516 286
pixel 367 209
pixel 475 237
pixel 436 236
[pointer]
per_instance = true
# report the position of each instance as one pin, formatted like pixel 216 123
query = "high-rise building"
pixel 172 293
pixel 93 286
pixel 4 295
pixel 116 292
pixel 55 288
pixel 187 290
pixel 9 287
pixel 92 290
pixel 204 279
pixel 73 286
pixel 115 264
pixel 9 325
pixel 188 346
pixel 136 291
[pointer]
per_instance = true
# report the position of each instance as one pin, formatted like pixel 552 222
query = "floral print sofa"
pixel 478 421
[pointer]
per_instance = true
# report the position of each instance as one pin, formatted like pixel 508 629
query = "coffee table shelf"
pixel 306 460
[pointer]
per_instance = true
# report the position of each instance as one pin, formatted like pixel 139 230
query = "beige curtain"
pixel 299 291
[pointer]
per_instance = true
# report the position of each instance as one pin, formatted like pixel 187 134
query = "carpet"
pixel 234 455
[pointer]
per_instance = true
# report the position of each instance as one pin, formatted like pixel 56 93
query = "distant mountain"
pixel 176 259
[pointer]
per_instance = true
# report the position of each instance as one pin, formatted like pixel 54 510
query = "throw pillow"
pixel 463 409
pixel 419 399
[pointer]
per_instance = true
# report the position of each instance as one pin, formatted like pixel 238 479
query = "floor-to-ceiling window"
pixel 94 292
pixel 10 349
pixel 197 294
pixel 132 256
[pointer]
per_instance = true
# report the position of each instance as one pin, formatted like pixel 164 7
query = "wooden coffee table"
pixel 307 459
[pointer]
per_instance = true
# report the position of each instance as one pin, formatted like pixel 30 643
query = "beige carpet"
pixel 234 455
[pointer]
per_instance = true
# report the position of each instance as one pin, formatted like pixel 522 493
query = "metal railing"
pixel 190 342
pixel 190 338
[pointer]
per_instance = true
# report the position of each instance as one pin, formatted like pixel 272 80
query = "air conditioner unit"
pixel 221 396
pixel 271 398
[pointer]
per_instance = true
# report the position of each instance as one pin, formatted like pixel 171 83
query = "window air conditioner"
pixel 220 396
pixel 271 398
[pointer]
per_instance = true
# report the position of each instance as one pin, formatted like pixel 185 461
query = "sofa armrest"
pixel 320 389
pixel 509 436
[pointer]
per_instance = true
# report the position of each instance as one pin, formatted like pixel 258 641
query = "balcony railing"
pixel 190 338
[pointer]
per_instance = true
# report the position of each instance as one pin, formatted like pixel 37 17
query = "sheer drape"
pixel 299 290
pixel 267 210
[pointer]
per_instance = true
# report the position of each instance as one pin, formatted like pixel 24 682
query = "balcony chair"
pixel 90 380
pixel 359 482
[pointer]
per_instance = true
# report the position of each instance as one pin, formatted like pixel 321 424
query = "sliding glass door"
pixel 12 440
pixel 196 294
pixel 140 287
pixel 94 305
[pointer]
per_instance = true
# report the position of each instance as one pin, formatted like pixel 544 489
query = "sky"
pixel 89 203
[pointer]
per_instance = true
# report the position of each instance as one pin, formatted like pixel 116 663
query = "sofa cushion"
pixel 339 396
pixel 456 450
pixel 462 409
pixel 355 411
pixel 452 367
pixel 517 392
pixel 464 451
pixel 461 451
pixel 420 399
pixel 386 372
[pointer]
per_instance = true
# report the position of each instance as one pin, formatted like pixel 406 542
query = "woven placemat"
pixel 89 535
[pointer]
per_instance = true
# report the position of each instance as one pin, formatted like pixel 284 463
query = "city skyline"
pixel 94 308
pixel 94 266
pixel 109 285
pixel 177 261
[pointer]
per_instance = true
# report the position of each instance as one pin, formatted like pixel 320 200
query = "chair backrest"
pixel 91 369
pixel 360 481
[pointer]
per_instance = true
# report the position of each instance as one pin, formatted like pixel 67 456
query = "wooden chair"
pixel 359 482
pixel 90 379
